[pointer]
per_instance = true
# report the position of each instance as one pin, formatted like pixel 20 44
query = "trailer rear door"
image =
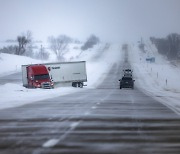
pixel 24 75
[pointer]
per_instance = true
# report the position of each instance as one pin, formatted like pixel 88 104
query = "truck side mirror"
pixel 32 78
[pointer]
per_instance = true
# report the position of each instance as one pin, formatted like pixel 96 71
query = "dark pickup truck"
pixel 126 82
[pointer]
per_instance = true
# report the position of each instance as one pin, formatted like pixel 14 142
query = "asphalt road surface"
pixel 105 120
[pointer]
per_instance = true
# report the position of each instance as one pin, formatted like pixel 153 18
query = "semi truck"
pixel 59 72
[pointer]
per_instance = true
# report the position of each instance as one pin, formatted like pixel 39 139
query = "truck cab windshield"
pixel 41 77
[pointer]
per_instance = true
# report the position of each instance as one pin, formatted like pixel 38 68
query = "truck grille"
pixel 46 85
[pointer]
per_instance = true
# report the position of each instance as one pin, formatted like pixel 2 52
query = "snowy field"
pixel 159 80
pixel 14 94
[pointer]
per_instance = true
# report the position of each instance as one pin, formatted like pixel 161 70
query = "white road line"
pixel 74 124
pixel 50 143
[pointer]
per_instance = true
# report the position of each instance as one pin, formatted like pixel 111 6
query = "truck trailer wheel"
pixel 75 84
pixel 80 85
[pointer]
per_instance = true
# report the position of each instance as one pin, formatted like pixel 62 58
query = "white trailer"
pixel 68 72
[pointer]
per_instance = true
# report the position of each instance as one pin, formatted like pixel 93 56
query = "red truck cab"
pixel 38 77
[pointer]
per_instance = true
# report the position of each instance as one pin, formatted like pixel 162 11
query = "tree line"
pixel 168 46
pixel 58 45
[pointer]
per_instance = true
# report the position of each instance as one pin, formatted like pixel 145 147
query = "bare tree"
pixel 23 41
pixel 29 36
pixel 91 41
pixel 42 54
pixel 174 43
pixel 9 49
pixel 169 46
pixel 59 45
pixel 29 46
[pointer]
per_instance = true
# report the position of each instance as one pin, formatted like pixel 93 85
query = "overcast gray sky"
pixel 111 20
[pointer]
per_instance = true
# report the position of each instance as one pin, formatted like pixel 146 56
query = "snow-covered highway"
pixel 104 120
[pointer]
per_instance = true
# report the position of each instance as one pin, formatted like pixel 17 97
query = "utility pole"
pixel 41 52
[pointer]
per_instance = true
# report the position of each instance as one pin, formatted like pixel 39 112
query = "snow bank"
pixel 159 80
pixel 12 63
pixel 13 95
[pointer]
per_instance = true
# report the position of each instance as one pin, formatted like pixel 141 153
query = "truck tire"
pixel 75 84
pixel 80 84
